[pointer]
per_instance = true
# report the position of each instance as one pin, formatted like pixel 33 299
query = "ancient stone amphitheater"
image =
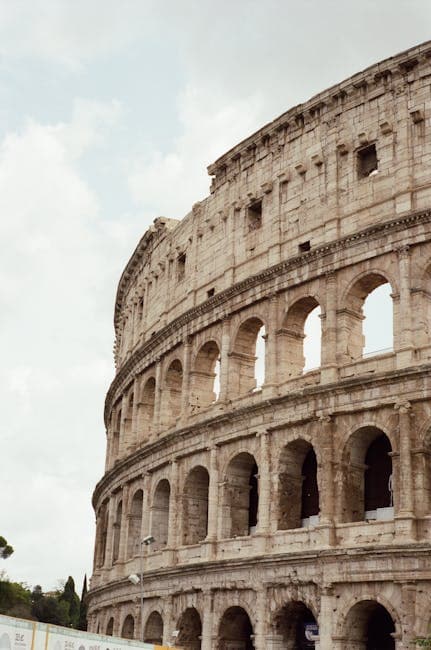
pixel 290 505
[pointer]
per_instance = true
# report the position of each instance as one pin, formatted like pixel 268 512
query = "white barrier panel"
pixel 17 634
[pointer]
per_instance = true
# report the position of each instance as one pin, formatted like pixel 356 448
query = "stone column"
pixel 261 608
pixel 122 554
pixel 167 621
pixel 213 496
pixel 146 505
pixel 264 484
pixel 173 509
pixel 271 379
pixel 405 507
pixel 135 435
pixel 224 360
pixel 123 444
pixel 207 623
pixel 110 533
pixel 326 476
pixel 158 394
pixel 403 334
pixel 327 607
pixel 329 370
pixel 185 391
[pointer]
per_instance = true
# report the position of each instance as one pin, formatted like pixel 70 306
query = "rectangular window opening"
pixel 210 292
pixel 304 247
pixel 181 267
pixel 254 216
pixel 367 161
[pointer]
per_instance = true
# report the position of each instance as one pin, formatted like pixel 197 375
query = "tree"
pixel 82 624
pixel 71 599
pixel 49 609
pixel 5 549
pixel 15 599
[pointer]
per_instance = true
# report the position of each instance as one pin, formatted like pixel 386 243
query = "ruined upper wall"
pixel 354 155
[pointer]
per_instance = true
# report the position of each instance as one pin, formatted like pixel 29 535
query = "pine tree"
pixel 70 597
pixel 82 625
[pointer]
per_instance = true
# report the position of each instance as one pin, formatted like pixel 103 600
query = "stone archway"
pixel 296 627
pixel 235 630
pixel 189 630
pixel 369 626
pixel 153 631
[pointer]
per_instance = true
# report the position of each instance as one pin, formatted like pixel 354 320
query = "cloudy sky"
pixel 110 111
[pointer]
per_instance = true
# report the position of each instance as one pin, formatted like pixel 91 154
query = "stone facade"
pixel 307 499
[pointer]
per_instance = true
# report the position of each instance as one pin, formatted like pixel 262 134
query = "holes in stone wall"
pixel 173 388
pixel 146 408
pixel 205 377
pixel 134 524
pixel 300 338
pixel 367 162
pixel 160 514
pixel 254 216
pixel 298 495
pixel 248 358
pixel 195 506
pixel 241 496
pixel 181 267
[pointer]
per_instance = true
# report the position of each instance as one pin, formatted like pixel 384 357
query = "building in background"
pixel 288 492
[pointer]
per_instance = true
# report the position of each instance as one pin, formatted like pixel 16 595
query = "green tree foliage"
pixel 15 599
pixel 70 598
pixel 82 624
pixel 5 549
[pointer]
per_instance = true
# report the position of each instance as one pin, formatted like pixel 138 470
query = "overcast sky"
pixel 110 111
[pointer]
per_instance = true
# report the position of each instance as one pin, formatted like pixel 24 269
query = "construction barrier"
pixel 19 634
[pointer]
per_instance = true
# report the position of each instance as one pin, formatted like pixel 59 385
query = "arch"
pixel 247 371
pixel 172 392
pixel 206 369
pixel 110 627
pixel 146 408
pixel 195 506
pixel 160 514
pixel 102 534
pixel 369 625
pixel 235 630
pixel 300 349
pixel 296 624
pixel 298 493
pixel 153 631
pixel 190 630
pixel 129 416
pixel 368 488
pixel 128 627
pixel 116 428
pixel 241 496
pixel 135 523
pixel 352 316
pixel 117 531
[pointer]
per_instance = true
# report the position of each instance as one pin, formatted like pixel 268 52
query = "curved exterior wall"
pixel 294 220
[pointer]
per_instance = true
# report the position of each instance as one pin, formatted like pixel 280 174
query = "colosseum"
pixel 288 497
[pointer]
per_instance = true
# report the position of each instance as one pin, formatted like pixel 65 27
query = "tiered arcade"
pixel 285 502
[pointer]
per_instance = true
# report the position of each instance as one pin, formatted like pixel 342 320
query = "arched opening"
pixel 190 630
pixel 247 358
pixel 301 338
pixel 146 409
pixel 110 627
pixel 195 506
pixel 368 490
pixel 241 496
pixel 298 492
pixel 160 514
pixel 135 522
pixel 129 418
pixel 235 630
pixel 366 322
pixel 173 389
pixel 128 629
pixel 117 531
pixel 116 436
pixel 153 631
pixel 297 626
pixel 369 626
pixel 203 389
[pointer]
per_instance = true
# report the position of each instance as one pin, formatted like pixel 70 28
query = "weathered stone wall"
pixel 307 499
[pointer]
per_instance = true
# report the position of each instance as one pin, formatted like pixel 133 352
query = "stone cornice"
pixel 371 82
pixel 125 373
pixel 237 414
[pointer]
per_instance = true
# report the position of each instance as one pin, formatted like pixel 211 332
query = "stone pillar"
pixel 329 370
pixel 264 485
pixel 207 622
pixel 122 554
pixel 146 506
pixel 261 608
pixel 173 507
pixel 224 360
pixel 213 496
pixel 135 435
pixel 271 379
pixel 185 392
pixel 405 507
pixel 167 621
pixel 403 334
pixel 158 394
pixel 123 444
pixel 110 533
pixel 326 476
pixel 327 607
